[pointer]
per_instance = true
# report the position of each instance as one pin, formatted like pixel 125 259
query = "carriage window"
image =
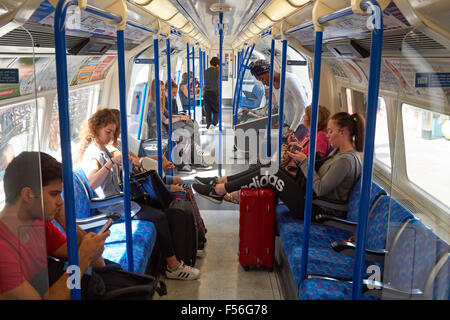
pixel 382 150
pixel 348 93
pixel 17 134
pixel 427 149
pixel 82 103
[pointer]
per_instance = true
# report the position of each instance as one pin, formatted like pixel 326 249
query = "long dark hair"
pixel 355 125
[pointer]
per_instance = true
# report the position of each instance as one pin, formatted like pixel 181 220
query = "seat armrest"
pixel 331 221
pixel 348 249
pixel 96 203
pixel 382 290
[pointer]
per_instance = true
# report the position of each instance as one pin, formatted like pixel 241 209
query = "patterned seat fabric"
pixel 354 200
pixel 144 238
pixel 322 260
pixel 386 213
pixel 324 289
pixel 413 257
pixel 143 232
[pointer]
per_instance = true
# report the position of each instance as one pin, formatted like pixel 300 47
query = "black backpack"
pixel 108 283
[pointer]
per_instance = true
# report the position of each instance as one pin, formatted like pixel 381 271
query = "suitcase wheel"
pixel 246 268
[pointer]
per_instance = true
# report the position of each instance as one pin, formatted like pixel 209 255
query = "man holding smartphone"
pixel 27 234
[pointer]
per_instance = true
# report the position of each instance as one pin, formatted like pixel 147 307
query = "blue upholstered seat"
pixel 412 268
pixel 143 232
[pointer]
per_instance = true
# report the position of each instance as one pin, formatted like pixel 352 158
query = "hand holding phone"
pixel 296 147
pixel 106 226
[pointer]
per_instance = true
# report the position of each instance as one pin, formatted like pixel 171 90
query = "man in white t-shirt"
pixel 295 97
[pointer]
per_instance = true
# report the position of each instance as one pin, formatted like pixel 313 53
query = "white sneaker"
pixel 211 129
pixel 183 272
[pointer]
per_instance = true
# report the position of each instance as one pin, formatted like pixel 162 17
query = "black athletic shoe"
pixel 208 192
pixel 206 180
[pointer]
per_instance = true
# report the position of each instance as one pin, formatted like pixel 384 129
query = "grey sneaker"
pixel 183 272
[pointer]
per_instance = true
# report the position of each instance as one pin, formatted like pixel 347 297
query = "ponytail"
pixel 354 124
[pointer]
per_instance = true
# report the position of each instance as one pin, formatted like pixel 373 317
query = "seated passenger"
pixel 172 182
pixel 102 170
pixel 26 239
pixel 322 142
pixel 174 94
pixel 184 131
pixel 333 181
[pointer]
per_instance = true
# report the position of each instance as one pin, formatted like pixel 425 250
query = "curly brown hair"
pixel 97 121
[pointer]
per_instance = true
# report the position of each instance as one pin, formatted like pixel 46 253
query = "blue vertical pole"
pixel 124 137
pixel 200 70
pixel 220 71
pixel 64 127
pixel 311 155
pixel 236 88
pixel 193 79
pixel 269 113
pixel 141 112
pixel 169 98
pixel 220 89
pixel 188 78
pixel 158 105
pixel 281 102
pixel 241 82
pixel 371 116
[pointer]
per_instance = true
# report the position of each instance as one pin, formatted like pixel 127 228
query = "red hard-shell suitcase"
pixel 257 228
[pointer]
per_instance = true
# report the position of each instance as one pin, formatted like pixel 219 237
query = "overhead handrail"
pixel 64 124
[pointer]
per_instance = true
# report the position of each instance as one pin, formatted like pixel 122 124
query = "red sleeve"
pixel 55 238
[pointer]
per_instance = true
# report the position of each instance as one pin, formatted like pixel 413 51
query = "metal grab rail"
pixel 158 105
pixel 371 117
pixel 64 124
pixel 169 100
pixel 311 154
pixel 281 102
pixel 193 79
pixel 246 60
pixel 374 80
pixel 236 89
pixel 188 78
pixel 269 111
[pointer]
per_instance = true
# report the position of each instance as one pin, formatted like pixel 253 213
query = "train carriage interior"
pixel 387 60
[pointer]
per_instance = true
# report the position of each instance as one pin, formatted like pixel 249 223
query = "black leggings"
pixel 282 182
pixel 159 219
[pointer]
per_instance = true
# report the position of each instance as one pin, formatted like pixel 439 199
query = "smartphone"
pixel 106 226
pixel 296 147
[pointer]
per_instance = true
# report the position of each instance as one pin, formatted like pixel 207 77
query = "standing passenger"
pixel 211 93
